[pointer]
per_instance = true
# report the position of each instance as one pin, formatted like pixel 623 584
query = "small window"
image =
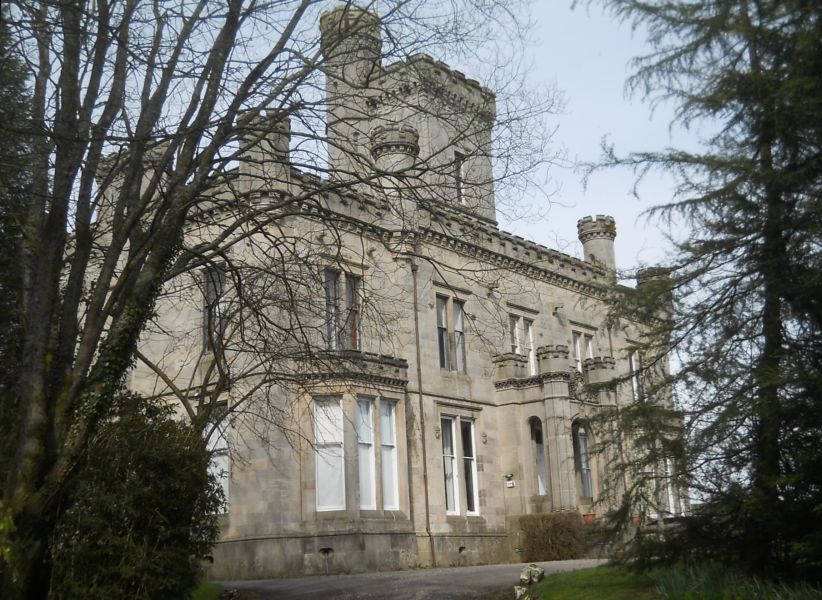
pixel 215 309
pixel 459 336
pixel 582 461
pixel 451 334
pixel 459 176
pixel 442 333
pixel 343 325
pixel 538 450
pixel 583 346
pixel 521 335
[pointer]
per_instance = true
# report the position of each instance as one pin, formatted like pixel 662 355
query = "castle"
pixel 403 380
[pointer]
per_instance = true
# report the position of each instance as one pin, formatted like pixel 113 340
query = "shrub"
pixel 143 514
pixel 552 536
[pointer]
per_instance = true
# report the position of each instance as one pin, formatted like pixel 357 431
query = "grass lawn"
pixel 599 583
pixel 206 591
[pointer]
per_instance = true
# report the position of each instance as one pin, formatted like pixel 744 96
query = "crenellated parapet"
pixel 599 369
pixel 597 235
pixel 553 358
pixel 394 147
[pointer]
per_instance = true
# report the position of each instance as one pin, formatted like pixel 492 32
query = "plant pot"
pixel 589 518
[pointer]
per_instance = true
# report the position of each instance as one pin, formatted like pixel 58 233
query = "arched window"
pixel 582 461
pixel 538 455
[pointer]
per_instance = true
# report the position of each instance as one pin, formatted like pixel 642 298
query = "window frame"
pixel 451 335
pixel 459 176
pixel 319 446
pixel 583 344
pixel 470 477
pixel 343 309
pixel 521 338
pixel 214 281
pixel 366 449
pixel 582 460
pixel 392 456
pixel 452 460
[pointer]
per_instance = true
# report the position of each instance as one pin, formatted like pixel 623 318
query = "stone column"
pixel 555 373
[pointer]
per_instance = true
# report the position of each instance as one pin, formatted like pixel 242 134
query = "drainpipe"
pixel 414 269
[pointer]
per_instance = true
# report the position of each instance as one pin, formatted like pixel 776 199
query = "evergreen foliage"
pixel 746 324
pixel 142 512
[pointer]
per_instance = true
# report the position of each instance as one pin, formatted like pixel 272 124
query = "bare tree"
pixel 141 113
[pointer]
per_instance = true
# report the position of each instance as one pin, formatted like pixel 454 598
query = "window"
pixel 449 427
pixel 583 345
pixel 451 342
pixel 388 441
pixel 328 440
pixel 449 464
pixel 351 327
pixel 538 449
pixel 459 176
pixel 582 461
pixel 442 332
pixel 469 460
pixel 365 454
pixel 459 336
pixel 215 310
pixel 521 334
pixel 634 368
pixel 219 466
pixel 342 331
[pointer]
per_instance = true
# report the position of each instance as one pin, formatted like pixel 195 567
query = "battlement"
pixel 601 226
pixel 599 363
pixel 394 139
pixel 345 24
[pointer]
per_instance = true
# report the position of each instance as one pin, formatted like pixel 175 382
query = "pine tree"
pixel 748 277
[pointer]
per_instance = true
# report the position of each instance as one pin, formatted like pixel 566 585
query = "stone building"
pixel 437 390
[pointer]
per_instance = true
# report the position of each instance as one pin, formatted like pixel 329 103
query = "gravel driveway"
pixel 440 584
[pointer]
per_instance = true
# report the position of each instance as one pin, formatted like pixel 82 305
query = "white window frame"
pixel 462 462
pixel 448 424
pixel 521 337
pixel 583 344
pixel 328 437
pixel 388 455
pixel 470 478
pixel 219 465
pixel 367 481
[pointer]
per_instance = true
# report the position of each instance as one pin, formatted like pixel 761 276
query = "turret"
pixel 264 156
pixel 352 49
pixel 394 149
pixel 597 235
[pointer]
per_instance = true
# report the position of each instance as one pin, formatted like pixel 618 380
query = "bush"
pixel 142 515
pixel 552 536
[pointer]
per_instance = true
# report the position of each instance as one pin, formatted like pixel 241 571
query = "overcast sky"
pixel 586 54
